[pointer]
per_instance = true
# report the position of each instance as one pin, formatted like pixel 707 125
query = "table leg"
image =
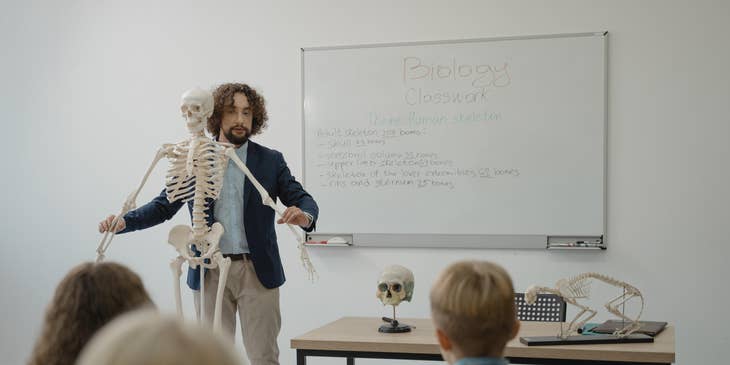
pixel 301 358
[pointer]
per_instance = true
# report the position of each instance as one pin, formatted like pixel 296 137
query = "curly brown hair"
pixel 223 96
pixel 88 297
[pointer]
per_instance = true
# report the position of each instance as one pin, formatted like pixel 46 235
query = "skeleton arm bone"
pixel 129 204
pixel 576 325
pixel 266 199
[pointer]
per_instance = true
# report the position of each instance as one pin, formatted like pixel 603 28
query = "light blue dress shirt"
pixel 481 361
pixel 228 208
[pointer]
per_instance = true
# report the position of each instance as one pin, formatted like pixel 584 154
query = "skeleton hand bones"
pixel 294 215
pixel 116 224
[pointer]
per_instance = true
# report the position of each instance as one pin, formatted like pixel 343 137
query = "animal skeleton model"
pixel 197 166
pixel 578 287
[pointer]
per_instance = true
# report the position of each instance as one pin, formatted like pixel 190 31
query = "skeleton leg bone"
pixel 578 326
pixel 181 237
pixel 613 304
pixel 176 267
pixel 633 324
pixel 630 328
pixel 223 265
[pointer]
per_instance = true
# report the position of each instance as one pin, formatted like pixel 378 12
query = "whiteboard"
pixel 485 142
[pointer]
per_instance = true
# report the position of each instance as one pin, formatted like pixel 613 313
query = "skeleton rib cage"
pixel 196 173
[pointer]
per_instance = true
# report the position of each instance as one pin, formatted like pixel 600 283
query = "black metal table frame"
pixel 302 355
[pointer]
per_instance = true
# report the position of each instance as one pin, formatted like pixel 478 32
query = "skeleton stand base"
pixel 584 340
pixel 394 326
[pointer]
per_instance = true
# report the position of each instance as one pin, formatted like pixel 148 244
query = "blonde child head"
pixel 473 309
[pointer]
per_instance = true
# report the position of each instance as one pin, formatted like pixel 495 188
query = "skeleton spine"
pixel 200 224
pixel 202 175
pixel 608 280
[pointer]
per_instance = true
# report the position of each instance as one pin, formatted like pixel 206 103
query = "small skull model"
pixel 395 285
pixel 196 108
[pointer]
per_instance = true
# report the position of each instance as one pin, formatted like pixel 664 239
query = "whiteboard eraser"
pixel 337 240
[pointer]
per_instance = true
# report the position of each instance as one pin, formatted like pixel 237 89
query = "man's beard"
pixel 236 139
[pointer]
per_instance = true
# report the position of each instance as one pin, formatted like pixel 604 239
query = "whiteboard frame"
pixel 416 240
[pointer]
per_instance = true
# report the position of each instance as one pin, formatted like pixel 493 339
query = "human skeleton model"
pixel 197 166
pixel 578 287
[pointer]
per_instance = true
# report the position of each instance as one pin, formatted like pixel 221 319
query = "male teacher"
pixel 249 240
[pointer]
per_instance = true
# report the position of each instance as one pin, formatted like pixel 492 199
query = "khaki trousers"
pixel 257 306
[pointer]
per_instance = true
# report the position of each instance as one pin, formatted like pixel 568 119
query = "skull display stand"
pixel 395 285
pixel 578 287
pixel 394 326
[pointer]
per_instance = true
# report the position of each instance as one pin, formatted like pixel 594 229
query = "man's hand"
pixel 106 224
pixel 294 215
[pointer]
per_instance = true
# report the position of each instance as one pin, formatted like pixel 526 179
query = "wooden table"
pixel 353 337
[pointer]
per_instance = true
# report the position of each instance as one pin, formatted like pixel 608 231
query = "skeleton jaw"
pixel 195 126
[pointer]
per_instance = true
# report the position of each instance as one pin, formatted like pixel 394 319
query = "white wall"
pixel 90 90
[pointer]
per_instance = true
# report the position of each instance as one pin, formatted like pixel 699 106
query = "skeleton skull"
pixel 395 285
pixel 196 108
pixel 531 294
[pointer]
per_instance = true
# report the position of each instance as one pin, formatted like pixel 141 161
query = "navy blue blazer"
pixel 270 169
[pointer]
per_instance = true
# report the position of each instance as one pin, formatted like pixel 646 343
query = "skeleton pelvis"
pixel 182 237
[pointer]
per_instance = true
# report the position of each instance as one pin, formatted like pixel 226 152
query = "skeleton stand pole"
pixel 202 291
